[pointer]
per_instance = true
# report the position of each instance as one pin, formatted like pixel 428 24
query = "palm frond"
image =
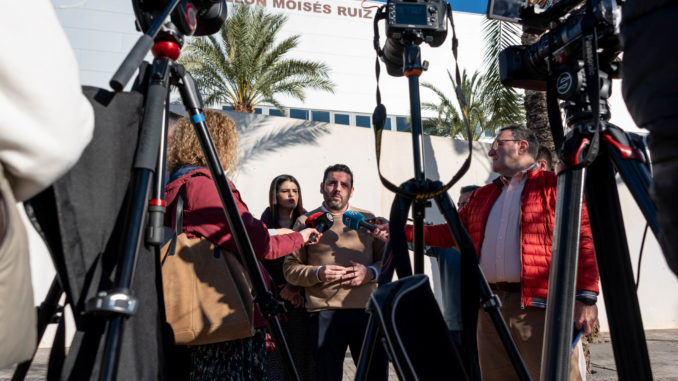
pixel 244 65
pixel 505 104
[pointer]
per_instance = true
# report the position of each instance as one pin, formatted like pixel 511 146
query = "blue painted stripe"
pixel 197 118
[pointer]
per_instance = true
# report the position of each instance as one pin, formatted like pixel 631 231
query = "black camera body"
pixel 189 18
pixel 426 16
pixel 559 50
pixel 412 22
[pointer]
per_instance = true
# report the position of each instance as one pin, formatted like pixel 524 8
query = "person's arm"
pixel 378 247
pixel 434 235
pixel 291 294
pixel 204 213
pixel 284 244
pixel 586 312
pixel 47 122
pixel 297 272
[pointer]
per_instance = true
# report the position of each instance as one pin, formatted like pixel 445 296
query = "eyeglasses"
pixel 500 142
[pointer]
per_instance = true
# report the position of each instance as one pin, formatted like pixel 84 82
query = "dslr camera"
pixel 189 18
pixel 558 52
pixel 412 22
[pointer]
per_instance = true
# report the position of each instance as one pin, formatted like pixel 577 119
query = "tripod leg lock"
pixel 114 302
pixel 492 302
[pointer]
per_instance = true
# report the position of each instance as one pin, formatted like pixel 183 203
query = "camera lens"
pixel 393 57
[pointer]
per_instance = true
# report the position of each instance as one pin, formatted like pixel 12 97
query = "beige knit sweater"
pixel 338 246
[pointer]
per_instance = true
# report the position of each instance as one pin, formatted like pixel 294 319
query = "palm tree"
pixel 448 121
pixel 536 114
pixel 505 102
pixel 244 66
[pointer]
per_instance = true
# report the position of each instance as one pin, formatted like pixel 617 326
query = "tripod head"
pixel 192 18
pixel 168 21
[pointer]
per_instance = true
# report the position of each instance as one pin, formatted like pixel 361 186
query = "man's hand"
pixel 357 275
pixel 585 316
pixel 330 273
pixel 382 232
pixel 291 294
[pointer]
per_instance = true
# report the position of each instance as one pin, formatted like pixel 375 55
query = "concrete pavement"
pixel 662 346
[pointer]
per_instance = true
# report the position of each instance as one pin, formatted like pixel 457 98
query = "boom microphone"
pixel 355 220
pixel 321 222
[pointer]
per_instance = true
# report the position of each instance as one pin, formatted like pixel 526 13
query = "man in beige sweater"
pixel 339 274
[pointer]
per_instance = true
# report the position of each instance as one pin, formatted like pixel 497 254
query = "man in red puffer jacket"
pixel 511 224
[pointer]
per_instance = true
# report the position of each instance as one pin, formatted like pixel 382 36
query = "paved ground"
pixel 662 345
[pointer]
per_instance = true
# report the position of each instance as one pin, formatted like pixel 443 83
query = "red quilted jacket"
pixel 537 203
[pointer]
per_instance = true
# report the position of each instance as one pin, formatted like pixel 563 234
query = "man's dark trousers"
pixel 333 331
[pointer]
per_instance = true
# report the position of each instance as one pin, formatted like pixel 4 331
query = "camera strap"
pixel 555 120
pixel 591 69
pixel 379 117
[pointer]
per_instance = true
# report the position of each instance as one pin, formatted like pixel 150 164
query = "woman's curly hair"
pixel 184 148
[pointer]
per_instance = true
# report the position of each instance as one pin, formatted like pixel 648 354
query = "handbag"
pixel 18 316
pixel 207 292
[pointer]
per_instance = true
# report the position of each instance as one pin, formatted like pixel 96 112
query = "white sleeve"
pixel 46 122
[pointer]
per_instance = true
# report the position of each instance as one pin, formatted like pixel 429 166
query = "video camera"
pixel 191 18
pixel 412 21
pixel 558 53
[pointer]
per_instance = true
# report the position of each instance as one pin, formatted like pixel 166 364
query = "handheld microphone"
pixel 321 222
pixel 355 220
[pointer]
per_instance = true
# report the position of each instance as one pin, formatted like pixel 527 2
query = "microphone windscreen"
pixel 352 219
pixel 324 221
pixel 311 221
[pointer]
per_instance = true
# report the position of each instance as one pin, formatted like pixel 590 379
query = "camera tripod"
pixel 396 258
pixel 143 218
pixel 164 72
pixel 592 152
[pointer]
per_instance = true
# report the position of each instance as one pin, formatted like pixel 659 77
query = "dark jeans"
pixel 333 331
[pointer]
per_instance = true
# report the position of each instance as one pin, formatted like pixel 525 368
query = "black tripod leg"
pixel 616 273
pixel 396 259
pixel 264 299
pixel 46 312
pixel 637 179
pixel 412 68
pixel 489 302
pixel 367 349
pixel 559 324
pixel 119 302
pixel 155 232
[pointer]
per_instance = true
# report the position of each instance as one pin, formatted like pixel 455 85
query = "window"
pixel 362 121
pixel 321 116
pixel 257 110
pixel 402 123
pixel 341 119
pixel 298 113
pixel 275 112
pixel 227 108
pixel 387 125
